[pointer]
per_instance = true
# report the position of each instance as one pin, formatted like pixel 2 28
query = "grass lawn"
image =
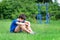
pixel 43 31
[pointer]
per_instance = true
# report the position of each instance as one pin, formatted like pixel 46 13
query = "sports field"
pixel 43 31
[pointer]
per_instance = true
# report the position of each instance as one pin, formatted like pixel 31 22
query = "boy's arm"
pixel 19 23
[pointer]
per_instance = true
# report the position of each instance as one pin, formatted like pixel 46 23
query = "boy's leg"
pixel 25 29
pixel 19 27
pixel 29 28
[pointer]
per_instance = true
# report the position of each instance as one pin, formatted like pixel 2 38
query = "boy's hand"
pixel 27 23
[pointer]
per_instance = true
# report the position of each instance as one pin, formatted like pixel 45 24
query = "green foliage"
pixel 11 9
pixel 43 1
pixel 54 10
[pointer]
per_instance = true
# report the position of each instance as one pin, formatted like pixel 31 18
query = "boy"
pixel 20 24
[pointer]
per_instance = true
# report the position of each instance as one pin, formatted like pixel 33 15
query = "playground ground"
pixel 43 31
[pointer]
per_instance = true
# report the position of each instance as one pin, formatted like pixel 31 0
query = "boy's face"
pixel 21 20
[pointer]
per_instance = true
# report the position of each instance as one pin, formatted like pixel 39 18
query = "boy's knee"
pixel 29 23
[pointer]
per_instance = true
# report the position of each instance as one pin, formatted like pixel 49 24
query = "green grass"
pixel 43 31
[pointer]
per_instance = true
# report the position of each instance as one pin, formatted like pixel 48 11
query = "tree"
pixel 43 1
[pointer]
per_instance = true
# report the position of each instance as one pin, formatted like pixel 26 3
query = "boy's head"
pixel 22 17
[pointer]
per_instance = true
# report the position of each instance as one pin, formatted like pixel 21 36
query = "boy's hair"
pixel 22 16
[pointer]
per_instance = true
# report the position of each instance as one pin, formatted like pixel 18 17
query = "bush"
pixel 11 9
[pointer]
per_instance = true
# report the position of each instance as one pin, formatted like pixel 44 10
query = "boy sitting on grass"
pixel 20 24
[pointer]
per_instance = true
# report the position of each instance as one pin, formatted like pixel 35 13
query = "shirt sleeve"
pixel 15 21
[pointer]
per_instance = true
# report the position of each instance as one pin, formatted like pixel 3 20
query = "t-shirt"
pixel 14 25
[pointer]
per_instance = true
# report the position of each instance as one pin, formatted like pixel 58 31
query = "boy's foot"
pixel 32 33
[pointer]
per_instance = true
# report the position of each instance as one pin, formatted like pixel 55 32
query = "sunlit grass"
pixel 43 31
